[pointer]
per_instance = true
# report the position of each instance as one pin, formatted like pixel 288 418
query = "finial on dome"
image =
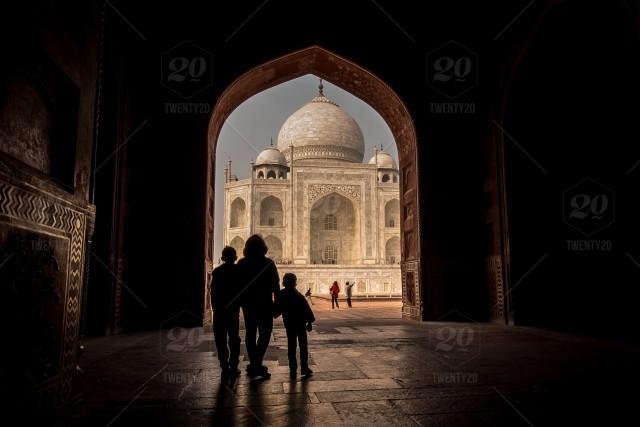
pixel 271 144
pixel 320 87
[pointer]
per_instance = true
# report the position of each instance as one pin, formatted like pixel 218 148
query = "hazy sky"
pixel 249 128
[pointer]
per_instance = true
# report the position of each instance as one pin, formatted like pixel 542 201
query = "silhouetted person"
pixel 225 289
pixel 308 296
pixel 349 290
pixel 334 290
pixel 260 284
pixel 297 317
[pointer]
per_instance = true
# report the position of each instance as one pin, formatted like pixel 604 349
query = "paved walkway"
pixel 361 310
pixel 371 368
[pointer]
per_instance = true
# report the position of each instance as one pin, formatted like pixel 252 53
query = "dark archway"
pixel 275 248
pixel 237 243
pixel 371 89
pixel 271 213
pixel 392 213
pixel 238 213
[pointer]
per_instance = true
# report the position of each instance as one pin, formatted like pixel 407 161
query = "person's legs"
pixel 291 350
pixel 220 337
pixel 337 305
pixel 349 301
pixel 251 326
pixel 265 326
pixel 233 330
pixel 304 352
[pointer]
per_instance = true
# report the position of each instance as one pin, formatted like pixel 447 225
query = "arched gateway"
pixel 378 95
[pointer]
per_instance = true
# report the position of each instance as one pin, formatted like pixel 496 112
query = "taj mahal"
pixel 324 213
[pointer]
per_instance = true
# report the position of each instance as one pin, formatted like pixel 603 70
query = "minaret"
pixel 320 88
pixel 290 244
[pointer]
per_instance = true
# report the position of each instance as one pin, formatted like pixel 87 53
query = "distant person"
pixel 349 290
pixel 298 319
pixel 334 290
pixel 226 311
pixel 308 296
pixel 260 285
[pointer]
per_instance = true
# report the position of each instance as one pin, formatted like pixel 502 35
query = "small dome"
pixel 271 156
pixel 385 161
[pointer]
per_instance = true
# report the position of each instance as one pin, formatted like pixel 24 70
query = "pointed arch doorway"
pixel 372 90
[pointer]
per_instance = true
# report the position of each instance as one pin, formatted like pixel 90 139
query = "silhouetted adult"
pixel 260 284
pixel 225 302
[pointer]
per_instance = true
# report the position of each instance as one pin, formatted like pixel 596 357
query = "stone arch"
pixel 237 243
pixel 261 175
pixel 341 241
pixel 386 177
pixel 371 89
pixel 392 250
pixel 392 213
pixel 275 248
pixel 271 212
pixel 271 174
pixel 238 213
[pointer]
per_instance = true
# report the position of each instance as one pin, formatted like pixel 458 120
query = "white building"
pixel 324 214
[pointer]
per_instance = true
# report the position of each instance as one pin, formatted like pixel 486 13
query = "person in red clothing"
pixel 335 290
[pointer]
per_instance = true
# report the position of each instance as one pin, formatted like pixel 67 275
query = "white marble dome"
pixel 385 161
pixel 271 156
pixel 322 130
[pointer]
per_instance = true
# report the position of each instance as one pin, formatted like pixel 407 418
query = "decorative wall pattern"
pixel 316 191
pixel 412 302
pixel 496 288
pixel 39 210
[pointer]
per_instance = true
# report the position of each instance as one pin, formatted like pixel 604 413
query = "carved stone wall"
pixel 317 191
pixel 41 212
pixel 46 139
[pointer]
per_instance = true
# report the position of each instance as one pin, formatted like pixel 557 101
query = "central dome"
pixel 321 130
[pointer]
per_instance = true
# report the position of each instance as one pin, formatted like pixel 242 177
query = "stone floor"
pixel 371 368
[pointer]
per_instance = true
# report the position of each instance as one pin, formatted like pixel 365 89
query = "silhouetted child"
pixel 298 317
pixel 226 311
